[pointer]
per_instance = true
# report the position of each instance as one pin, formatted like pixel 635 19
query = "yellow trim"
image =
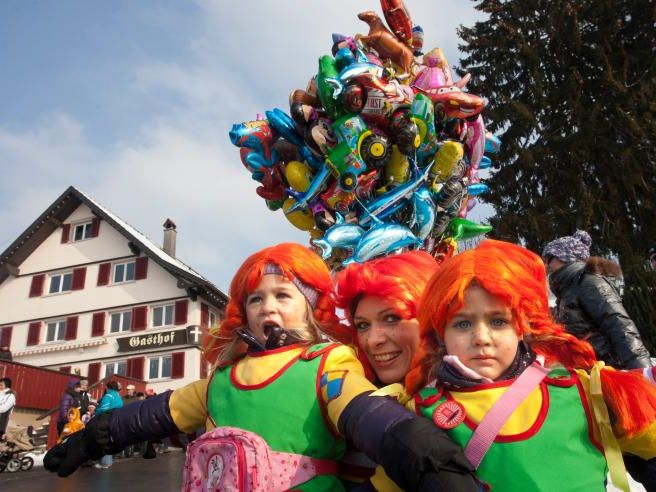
pixel 611 447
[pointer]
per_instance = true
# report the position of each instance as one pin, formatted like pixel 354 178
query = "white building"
pixel 82 291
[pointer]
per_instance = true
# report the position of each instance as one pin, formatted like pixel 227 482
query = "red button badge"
pixel 448 415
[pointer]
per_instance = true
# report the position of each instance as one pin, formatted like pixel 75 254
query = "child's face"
pixel 275 302
pixel 482 334
pixel 71 417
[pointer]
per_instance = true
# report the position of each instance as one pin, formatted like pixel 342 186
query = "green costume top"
pixel 289 419
pixel 554 451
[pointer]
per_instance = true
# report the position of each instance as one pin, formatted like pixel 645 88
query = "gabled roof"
pixel 65 205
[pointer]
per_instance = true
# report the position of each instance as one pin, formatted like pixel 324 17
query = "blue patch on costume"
pixel 331 384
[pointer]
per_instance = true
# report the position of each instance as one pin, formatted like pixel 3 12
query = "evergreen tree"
pixel 572 90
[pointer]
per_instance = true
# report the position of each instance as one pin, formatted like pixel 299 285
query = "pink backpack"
pixel 235 460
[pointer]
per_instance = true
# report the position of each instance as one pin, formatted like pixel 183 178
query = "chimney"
pixel 169 237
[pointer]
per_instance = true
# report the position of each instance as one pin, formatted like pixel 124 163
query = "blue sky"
pixel 132 103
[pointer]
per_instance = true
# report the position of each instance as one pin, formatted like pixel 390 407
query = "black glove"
pixel 416 448
pixel 412 450
pixel 91 443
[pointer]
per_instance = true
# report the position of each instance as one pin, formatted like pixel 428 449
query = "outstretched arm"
pixel 147 420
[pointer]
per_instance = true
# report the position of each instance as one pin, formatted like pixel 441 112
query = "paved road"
pixel 162 474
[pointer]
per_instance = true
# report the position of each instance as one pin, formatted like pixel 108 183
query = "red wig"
pixel 296 262
pixel 400 279
pixel 517 277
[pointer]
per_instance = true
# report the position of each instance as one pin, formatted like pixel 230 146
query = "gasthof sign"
pixel 163 339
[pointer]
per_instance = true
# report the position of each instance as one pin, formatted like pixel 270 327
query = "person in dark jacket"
pixel 590 307
pixel 589 303
pixel 84 396
pixel 70 399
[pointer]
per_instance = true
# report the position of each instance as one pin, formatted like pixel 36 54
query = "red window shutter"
pixel 65 369
pixel 79 275
pixel 5 336
pixel 98 325
pixel 177 365
pixel 34 333
pixel 71 328
pixel 136 367
pixel 141 268
pixel 95 227
pixel 139 318
pixel 204 315
pixel 93 374
pixel 104 270
pixel 181 312
pixel 203 366
pixel 36 289
pixel 66 233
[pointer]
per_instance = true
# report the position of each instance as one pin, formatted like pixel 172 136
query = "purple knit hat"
pixel 569 248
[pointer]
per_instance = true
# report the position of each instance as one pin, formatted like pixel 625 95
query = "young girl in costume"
pixel 279 397
pixel 530 404
pixel 380 299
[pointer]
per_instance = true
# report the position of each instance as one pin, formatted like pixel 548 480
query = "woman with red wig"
pixel 380 299
pixel 279 404
pixel 528 402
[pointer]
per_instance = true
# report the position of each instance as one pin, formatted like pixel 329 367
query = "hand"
pixel 90 443
pixel 422 457
pixel 77 449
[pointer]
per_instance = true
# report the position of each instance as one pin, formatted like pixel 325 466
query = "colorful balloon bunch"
pixel 380 152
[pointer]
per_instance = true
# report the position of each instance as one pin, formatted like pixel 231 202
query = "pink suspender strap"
pixel 494 419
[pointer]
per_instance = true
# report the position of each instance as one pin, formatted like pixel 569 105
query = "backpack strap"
pixel 291 469
pixel 491 424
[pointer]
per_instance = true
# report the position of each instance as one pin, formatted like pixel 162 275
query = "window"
pixel 119 367
pixel 159 367
pixel 123 272
pixel 55 331
pixel 83 231
pixel 120 322
pixel 61 282
pixel 212 319
pixel 163 315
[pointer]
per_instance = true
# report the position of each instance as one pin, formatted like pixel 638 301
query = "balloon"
pixel 396 170
pixel 485 163
pixel 398 19
pixel 492 143
pixel 461 229
pixel 477 189
pixel 435 71
pixel 301 219
pixel 386 44
pixel 378 153
pixel 298 175
pixel 446 159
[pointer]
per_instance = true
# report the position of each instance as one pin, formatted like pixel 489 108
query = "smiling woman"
pixel 380 299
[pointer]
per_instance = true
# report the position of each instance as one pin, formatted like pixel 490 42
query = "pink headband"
pixel 308 292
